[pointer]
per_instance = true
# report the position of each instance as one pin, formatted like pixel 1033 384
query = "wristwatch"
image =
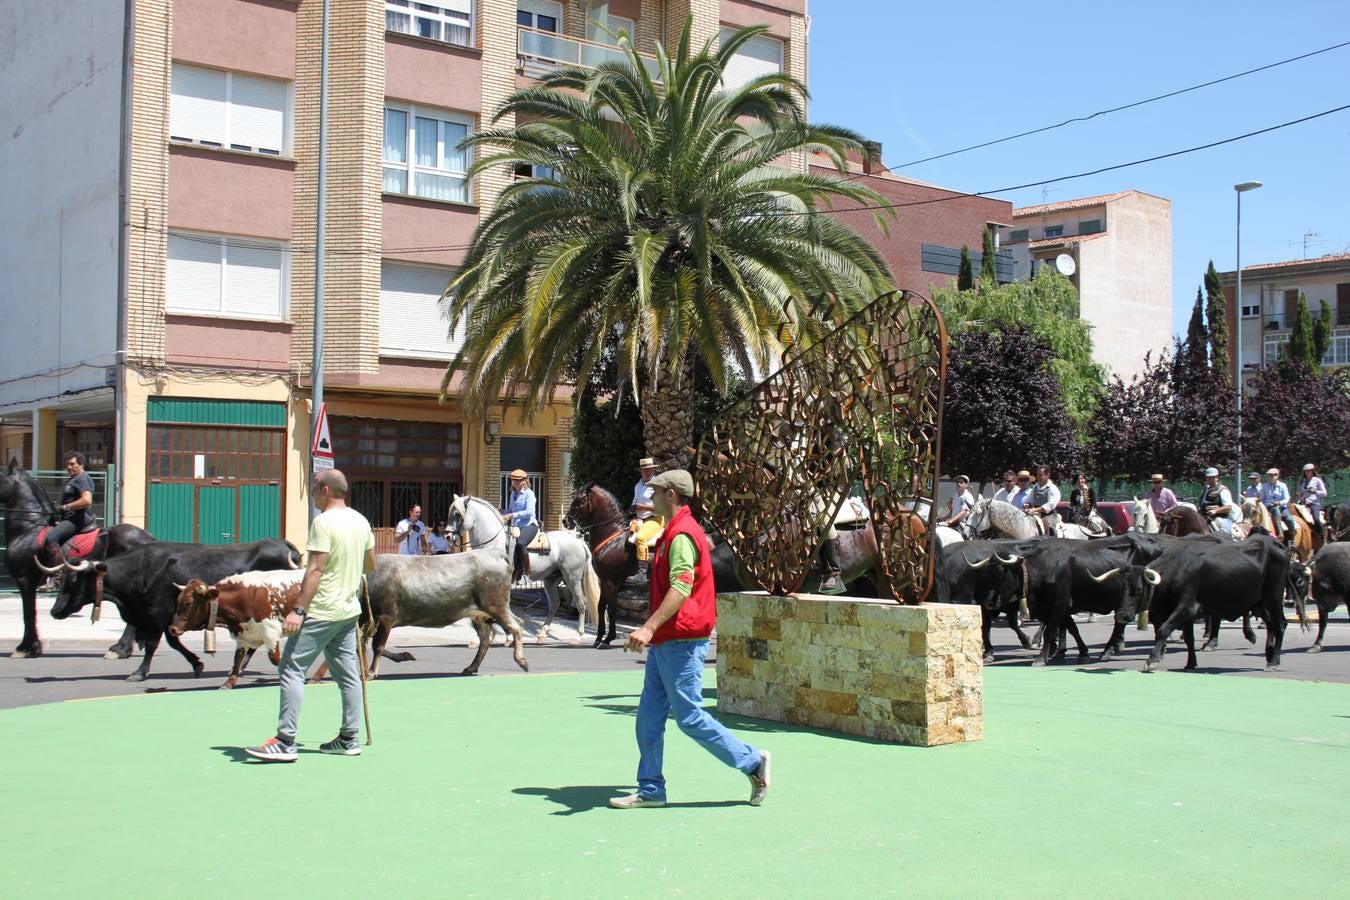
pixel 299 611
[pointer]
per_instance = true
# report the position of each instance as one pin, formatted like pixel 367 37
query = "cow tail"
pixel 590 587
pixel 1301 606
pixel 1022 606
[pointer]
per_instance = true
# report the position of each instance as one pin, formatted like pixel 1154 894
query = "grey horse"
pixel 568 558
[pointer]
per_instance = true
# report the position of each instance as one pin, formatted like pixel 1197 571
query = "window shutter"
pixel 761 55
pixel 197 105
pixel 254 277
pixel 192 277
pixel 541 8
pixel 411 319
pixel 258 113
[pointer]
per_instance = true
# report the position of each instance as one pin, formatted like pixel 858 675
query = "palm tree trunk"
pixel 668 418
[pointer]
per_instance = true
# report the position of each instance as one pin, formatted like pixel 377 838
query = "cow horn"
pixel 1152 577
pixel 78 567
pixel 1010 561
pixel 180 587
pixel 979 565
pixel 291 561
pixel 50 570
pixel 1105 575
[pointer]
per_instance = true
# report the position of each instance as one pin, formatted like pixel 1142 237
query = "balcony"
pixel 541 51
pixel 1272 321
pixel 1338 354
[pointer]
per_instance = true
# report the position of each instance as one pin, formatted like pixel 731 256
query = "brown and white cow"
pixel 251 605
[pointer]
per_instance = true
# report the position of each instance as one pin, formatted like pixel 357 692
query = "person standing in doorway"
pixel 77 498
pixel 412 533
pixel 682 612
pixel 341 549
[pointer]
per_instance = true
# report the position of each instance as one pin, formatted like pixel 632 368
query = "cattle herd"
pixel 163 590
pixel 1169 581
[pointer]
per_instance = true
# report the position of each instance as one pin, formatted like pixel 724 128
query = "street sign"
pixel 322 447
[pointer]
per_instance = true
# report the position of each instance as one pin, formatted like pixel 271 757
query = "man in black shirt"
pixel 76 500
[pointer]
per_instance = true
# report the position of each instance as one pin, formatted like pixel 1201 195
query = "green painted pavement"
pixel 1113 784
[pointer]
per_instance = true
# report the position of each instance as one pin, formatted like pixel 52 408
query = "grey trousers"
pixel 337 642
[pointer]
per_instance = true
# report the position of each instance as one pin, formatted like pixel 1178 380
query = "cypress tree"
pixel 1321 333
pixel 1197 339
pixel 988 258
pixel 1301 345
pixel 965 276
pixel 1216 316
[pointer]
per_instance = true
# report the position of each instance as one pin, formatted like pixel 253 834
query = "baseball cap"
pixel 1307 466
pixel 677 480
pixel 1272 471
pixel 1211 472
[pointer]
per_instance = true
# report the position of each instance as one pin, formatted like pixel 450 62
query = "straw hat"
pixel 646 463
pixel 517 474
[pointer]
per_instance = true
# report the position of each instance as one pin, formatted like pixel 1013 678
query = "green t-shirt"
pixel 683 556
pixel 345 535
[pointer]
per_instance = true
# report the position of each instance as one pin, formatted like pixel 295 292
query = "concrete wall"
pixel 60 102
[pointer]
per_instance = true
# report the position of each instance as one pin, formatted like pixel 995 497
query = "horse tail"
pixel 590 587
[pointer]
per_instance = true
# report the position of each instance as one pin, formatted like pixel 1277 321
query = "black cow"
pixel 1200 579
pixel 1330 585
pixel 141 583
pixel 987 573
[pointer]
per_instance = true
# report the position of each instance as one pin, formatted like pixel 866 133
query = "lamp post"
pixel 1240 189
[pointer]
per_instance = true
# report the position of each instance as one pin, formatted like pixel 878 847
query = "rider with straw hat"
pixel 522 512
pixel 646 524
pixel 1311 492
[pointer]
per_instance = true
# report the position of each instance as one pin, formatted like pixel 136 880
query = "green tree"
pixel 988 259
pixel 965 276
pixel 1197 338
pixel 667 229
pixel 1321 335
pixel 1047 306
pixel 1302 347
pixel 1216 317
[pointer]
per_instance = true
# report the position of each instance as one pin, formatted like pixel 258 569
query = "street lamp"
pixel 1241 189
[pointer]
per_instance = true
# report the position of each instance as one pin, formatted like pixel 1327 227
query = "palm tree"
pixel 664 226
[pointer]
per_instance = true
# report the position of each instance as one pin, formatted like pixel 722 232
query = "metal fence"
pixel 1338 487
pixel 54 481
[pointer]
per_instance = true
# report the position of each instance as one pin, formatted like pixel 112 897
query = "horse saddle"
pixel 540 543
pixel 78 547
pixel 1304 513
pixel 852 515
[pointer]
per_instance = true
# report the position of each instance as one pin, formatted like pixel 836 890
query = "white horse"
pixel 568 558
pixel 1144 519
pixel 947 535
pixel 1001 516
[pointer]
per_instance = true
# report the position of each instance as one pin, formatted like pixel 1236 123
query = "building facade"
pixel 162 261
pixel 1270 295
pixel 1120 252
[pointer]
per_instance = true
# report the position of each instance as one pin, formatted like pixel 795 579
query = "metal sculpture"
pixel 863 402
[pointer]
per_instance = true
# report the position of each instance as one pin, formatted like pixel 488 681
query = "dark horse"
pixel 27 508
pixel 596 513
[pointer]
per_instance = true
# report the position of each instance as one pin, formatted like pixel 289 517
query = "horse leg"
pixel 483 626
pixel 125 644
pixel 551 593
pixel 609 603
pixel 193 659
pixel 497 605
pixel 30 646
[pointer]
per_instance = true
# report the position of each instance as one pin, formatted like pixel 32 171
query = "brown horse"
pixel 1183 520
pixel 1302 544
pixel 596 513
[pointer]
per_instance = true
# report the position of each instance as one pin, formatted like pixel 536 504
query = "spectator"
pixel 412 533
pixel 437 542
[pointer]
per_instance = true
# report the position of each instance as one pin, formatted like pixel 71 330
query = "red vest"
pixel 698 615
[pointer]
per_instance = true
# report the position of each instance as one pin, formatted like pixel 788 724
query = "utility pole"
pixel 316 366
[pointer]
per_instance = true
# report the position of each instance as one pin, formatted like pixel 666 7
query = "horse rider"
pixel 961 504
pixel 75 514
pixel 646 524
pixel 1019 496
pixel 1275 497
pixel 1253 489
pixel 1009 488
pixel 521 513
pixel 1216 502
pixel 1083 507
pixel 1159 497
pixel 921 505
pixel 1311 492
pixel 1042 499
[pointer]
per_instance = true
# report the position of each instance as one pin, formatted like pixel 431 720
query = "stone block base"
pixel 908 674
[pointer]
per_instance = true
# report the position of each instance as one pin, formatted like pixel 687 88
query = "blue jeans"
pixel 674 684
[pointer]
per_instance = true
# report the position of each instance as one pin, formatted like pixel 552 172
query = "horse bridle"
pixel 501 526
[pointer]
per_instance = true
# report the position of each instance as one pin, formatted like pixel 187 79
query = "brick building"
pixel 160 258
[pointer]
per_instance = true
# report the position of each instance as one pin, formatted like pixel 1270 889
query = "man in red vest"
pixel 683 611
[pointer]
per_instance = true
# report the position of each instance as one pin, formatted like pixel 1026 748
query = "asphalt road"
pixel 79 671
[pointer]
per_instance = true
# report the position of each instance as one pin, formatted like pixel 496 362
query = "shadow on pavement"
pixel 577 798
pixel 237 754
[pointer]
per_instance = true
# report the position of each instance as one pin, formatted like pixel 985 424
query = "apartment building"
pixel 1118 248
pixel 1270 294
pixel 160 254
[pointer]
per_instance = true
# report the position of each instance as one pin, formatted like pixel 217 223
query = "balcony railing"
pixel 543 50
pixel 1275 346
pixel 1272 321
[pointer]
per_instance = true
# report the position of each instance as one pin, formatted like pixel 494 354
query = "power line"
pixel 958 195
pixel 1115 109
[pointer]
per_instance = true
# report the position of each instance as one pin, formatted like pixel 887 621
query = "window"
pixel 1090 226
pixel 761 55
pixel 227 109
pixel 1251 311
pixel 412 323
pixel 1054 231
pixel 203 451
pixel 238 278
pixel 608 31
pixel 540 15
pixel 1018 236
pixel 450 21
pixel 1343 304
pixel 422 155
pixel 525 170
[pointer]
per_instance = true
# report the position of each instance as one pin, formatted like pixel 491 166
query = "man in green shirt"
pixel 341 549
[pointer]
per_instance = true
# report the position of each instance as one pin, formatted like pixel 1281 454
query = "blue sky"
pixel 927 78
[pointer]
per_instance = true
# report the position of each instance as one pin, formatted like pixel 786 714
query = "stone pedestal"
pixel 908 674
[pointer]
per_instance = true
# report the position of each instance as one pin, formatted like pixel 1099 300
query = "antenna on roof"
pixel 1308 238
pixel 1046 192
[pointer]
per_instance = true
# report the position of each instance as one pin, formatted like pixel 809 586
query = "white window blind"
pixel 412 322
pixel 761 55
pixel 231 277
pixel 229 109
pixel 450 21
pixel 421 155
